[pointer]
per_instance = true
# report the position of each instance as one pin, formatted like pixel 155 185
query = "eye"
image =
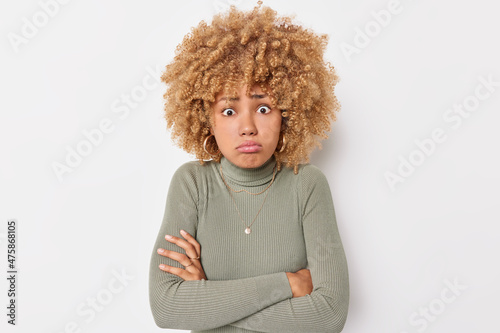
pixel 264 109
pixel 228 112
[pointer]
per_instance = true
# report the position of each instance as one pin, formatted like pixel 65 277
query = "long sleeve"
pixel 325 309
pixel 205 304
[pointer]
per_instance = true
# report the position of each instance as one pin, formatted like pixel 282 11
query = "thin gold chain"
pixel 255 218
pixel 248 230
pixel 243 190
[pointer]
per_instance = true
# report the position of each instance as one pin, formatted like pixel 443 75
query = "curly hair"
pixel 254 47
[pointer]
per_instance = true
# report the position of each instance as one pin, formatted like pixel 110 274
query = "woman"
pixel 249 241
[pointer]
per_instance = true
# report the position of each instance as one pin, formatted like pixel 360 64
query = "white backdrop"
pixel 412 160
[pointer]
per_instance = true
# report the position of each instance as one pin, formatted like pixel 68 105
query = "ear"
pixel 211 131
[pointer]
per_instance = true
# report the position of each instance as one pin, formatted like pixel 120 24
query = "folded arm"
pixel 325 309
pixel 201 304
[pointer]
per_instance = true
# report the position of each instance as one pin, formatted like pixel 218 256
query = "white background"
pixel 402 243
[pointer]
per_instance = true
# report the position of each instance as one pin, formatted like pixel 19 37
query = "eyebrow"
pixel 254 96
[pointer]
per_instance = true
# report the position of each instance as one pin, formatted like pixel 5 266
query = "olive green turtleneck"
pixel 247 289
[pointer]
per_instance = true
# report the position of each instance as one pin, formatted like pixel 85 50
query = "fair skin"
pixel 247 131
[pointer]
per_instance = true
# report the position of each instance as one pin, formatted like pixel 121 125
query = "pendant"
pixel 247 230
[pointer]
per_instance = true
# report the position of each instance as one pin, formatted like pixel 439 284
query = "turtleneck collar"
pixel 248 177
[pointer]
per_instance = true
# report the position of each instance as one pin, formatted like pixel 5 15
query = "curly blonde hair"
pixel 254 47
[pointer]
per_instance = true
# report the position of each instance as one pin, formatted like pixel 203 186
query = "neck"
pixel 248 177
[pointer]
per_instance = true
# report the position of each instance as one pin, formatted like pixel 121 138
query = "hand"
pixel 192 267
pixel 300 282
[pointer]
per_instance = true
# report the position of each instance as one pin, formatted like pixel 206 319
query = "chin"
pixel 250 160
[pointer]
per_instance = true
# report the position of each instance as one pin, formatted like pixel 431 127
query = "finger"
pixel 195 258
pixel 184 244
pixel 190 272
pixel 192 241
pixel 193 266
pixel 182 273
pixel 179 257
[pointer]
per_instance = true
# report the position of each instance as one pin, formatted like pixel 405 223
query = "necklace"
pixel 243 190
pixel 247 229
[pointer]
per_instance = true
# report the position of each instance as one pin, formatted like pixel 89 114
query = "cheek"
pixel 272 130
pixel 275 125
pixel 223 134
pixel 220 136
pixel 218 127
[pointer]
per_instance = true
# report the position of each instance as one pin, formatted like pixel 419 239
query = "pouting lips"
pixel 249 147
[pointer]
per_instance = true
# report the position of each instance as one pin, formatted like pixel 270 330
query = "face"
pixel 246 128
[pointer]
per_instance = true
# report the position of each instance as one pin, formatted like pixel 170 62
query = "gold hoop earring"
pixel 213 155
pixel 283 143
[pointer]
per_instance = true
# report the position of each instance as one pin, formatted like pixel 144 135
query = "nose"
pixel 247 124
